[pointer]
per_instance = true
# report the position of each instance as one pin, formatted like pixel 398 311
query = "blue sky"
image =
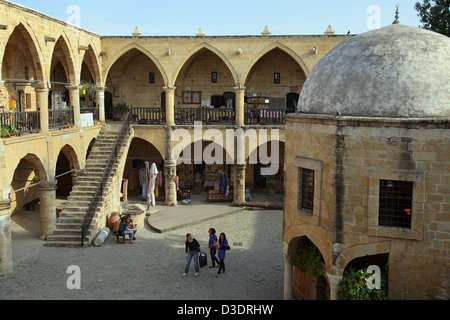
pixel 231 17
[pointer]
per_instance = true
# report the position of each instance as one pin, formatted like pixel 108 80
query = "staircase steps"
pixel 68 226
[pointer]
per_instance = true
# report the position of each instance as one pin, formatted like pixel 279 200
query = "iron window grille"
pixel 306 190
pixel 395 209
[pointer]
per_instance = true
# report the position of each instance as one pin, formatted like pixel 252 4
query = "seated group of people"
pixel 126 226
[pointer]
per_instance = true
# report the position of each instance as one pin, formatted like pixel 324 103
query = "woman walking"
pixel 212 247
pixel 192 250
pixel 223 246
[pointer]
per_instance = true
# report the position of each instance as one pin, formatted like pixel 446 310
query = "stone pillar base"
pixel 47 197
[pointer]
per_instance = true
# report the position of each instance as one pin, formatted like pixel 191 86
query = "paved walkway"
pixel 152 268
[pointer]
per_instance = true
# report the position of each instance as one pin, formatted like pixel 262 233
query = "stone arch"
pixel 191 53
pixel 269 48
pixel 138 47
pixel 94 65
pixel 71 154
pixel 33 46
pixel 317 236
pixel 66 57
pixel 26 172
pixel 357 251
pixel 66 160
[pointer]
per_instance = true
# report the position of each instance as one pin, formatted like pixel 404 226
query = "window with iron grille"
pixel 395 204
pixel 306 190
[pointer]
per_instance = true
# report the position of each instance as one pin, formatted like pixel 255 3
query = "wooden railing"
pixel 147 116
pixel 265 117
pixel 207 116
pixel 18 123
pixel 60 118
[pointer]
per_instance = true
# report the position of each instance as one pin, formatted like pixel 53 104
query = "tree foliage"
pixel 435 15
pixel 354 286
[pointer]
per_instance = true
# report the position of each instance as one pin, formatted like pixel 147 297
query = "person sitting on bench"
pixel 130 229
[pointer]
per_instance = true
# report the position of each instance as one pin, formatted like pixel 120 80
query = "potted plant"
pixel 13 131
pixel 68 118
pixel 119 111
pixel 4 132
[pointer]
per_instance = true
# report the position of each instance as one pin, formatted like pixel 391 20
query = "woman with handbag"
pixel 212 247
pixel 192 250
pixel 223 248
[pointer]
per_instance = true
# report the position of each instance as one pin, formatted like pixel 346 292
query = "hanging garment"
pixel 142 179
pixel 151 198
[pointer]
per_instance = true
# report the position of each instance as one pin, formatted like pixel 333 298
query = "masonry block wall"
pixel 350 156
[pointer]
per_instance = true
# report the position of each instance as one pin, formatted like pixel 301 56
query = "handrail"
pixel 101 187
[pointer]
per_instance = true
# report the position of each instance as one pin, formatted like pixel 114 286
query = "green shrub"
pixel 353 286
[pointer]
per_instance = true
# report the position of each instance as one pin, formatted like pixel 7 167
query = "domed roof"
pixel 397 71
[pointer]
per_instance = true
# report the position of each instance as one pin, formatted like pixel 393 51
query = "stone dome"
pixel 397 71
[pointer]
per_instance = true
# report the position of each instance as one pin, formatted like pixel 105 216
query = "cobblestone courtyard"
pixel 152 269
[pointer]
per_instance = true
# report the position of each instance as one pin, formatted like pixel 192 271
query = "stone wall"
pixel 350 156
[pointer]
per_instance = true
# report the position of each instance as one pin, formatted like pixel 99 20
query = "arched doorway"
pixel 62 74
pixel 26 210
pixel 65 164
pixel 205 172
pixel 202 81
pixel 292 102
pixel 140 152
pixel 310 282
pixel 271 81
pixel 21 67
pixel 135 80
pixel 353 285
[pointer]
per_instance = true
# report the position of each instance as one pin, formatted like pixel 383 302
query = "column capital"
pixel 170 163
pixel 48 185
pixel 39 86
pixel 167 88
pixel 240 88
pixel 73 87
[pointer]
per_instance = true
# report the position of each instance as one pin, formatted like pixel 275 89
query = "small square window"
pixel 151 77
pixel 277 78
pixel 306 190
pixel 395 204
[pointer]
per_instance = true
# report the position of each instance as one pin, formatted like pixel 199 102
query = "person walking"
pixel 223 247
pixel 212 247
pixel 192 250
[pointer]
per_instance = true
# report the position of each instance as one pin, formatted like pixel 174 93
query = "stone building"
pixel 57 79
pixel 368 165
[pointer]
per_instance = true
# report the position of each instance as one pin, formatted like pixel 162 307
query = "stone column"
pixel 240 106
pixel 334 286
pixel 288 277
pixel 101 103
pixel 171 187
pixel 42 106
pixel 74 94
pixel 170 106
pixel 47 197
pixel 6 258
pixel 239 183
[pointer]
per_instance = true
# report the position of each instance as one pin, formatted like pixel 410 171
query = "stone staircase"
pixel 68 226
